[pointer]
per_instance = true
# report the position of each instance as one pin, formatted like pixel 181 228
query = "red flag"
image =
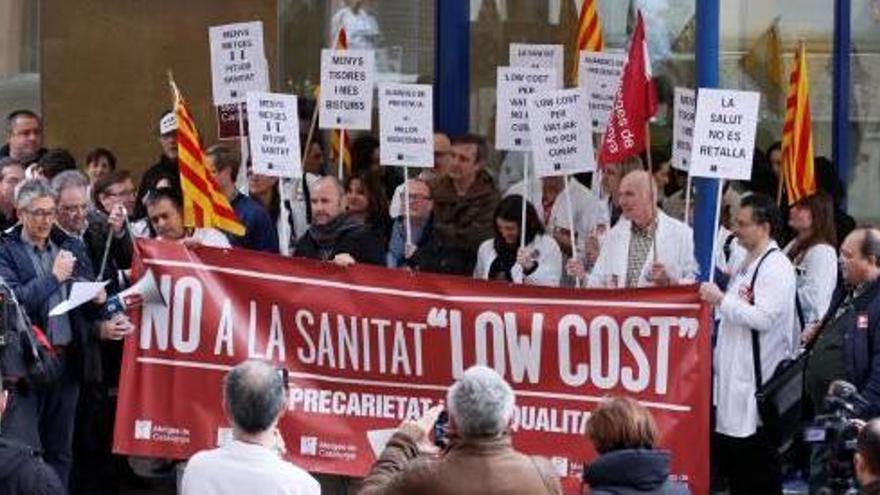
pixel 634 105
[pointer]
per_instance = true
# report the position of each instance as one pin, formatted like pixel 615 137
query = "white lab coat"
pixel 293 191
pixel 548 273
pixel 675 249
pixel 772 315
pixel 816 274
pixel 587 208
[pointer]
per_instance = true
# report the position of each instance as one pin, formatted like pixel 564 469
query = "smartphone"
pixel 440 439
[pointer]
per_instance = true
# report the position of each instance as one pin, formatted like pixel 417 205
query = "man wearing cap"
pixel 166 170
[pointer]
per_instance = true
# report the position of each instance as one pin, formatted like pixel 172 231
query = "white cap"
pixel 168 123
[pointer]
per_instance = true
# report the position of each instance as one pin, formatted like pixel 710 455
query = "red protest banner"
pixel 367 347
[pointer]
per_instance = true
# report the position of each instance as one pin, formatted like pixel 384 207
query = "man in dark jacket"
pixel 465 199
pixel 165 172
pixel 22 471
pixel 333 236
pixel 38 261
pixel 24 137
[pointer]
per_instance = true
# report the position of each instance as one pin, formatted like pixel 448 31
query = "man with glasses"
pixel 442 160
pixel 757 314
pixel 38 261
pixel 425 251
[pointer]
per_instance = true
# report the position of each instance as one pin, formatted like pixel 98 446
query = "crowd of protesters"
pixel 793 275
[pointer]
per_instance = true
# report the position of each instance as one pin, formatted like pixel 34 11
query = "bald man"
pixel 646 247
pixel 334 236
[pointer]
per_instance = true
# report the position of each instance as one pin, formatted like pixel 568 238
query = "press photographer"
pixel 845 343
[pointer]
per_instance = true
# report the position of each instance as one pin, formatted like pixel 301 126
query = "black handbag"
pixel 779 398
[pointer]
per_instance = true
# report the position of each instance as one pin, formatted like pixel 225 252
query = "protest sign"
pixel 599 76
pixel 406 125
pixel 274 135
pixel 685 109
pixel 380 346
pixel 227 121
pixel 561 137
pixel 724 134
pixel 346 97
pixel 539 57
pixel 515 86
pixel 238 63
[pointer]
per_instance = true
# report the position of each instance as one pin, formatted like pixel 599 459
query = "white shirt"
pixel 548 272
pixel 587 209
pixel 211 238
pixel 675 250
pixel 772 315
pixel 238 468
pixel 361 28
pixel 816 274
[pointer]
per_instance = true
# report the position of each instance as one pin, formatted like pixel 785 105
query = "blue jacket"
pixel 261 234
pixel 632 471
pixel 33 292
pixel 862 345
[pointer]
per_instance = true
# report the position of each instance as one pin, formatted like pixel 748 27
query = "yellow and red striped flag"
pixel 204 204
pixel 589 33
pixel 798 169
pixel 338 139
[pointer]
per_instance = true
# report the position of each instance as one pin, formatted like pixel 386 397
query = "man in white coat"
pixel 746 455
pixel 646 247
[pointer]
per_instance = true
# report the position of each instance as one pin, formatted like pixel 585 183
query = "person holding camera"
pixel 480 458
pixel 38 262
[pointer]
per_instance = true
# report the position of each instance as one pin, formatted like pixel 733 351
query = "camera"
pixel 835 432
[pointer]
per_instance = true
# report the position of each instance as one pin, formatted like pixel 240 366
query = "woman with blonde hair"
pixel 623 432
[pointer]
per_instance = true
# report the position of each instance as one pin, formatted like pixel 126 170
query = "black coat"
pixel 632 472
pixel 862 345
pixel 355 239
pixel 33 292
pixel 23 472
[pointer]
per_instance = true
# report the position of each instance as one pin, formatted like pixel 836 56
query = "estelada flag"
pixel 634 105
pixel 589 33
pixel 798 169
pixel 204 204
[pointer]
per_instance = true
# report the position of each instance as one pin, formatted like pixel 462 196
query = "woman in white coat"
pixel 814 257
pixel 502 258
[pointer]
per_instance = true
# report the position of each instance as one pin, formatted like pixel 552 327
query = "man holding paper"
pixel 37 262
pixel 646 247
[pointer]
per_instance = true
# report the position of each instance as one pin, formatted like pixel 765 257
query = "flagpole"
pixel 571 232
pixel 525 199
pixel 311 134
pixel 407 217
pixel 653 185
pixel 241 180
pixel 341 151
pixel 715 231
pixel 687 199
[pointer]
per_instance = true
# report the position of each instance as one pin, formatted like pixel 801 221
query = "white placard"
pixel 515 86
pixel 238 63
pixel 599 75
pixel 724 134
pixel 274 134
pixel 561 133
pixel 539 57
pixel 406 125
pixel 683 127
pixel 347 80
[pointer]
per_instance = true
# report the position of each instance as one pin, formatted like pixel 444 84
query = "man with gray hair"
pixel 479 459
pixel 38 262
pixel 254 398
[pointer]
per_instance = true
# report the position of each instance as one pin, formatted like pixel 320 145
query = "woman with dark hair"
pixel 365 202
pixel 501 258
pixel 814 257
pixel 99 161
pixel 623 432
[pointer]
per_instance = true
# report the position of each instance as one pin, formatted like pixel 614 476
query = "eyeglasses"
pixel 42 213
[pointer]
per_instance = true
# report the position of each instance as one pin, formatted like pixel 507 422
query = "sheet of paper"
pixel 80 293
